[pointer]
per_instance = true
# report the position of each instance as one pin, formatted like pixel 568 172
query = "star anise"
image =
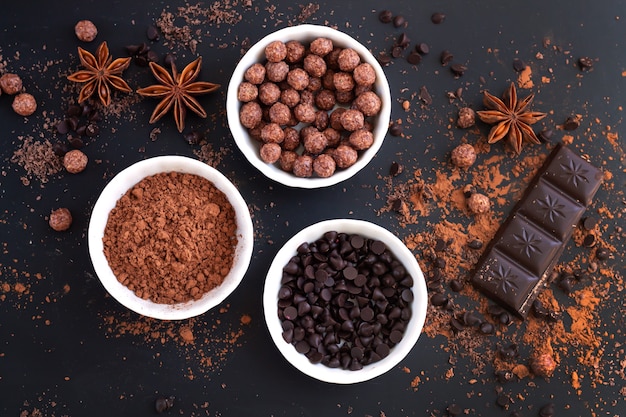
pixel 100 74
pixel 176 91
pixel 512 118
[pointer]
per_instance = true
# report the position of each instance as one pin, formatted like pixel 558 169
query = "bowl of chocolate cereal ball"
pixel 309 106
pixel 344 301
pixel 170 237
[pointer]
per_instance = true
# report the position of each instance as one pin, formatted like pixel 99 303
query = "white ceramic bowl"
pixel 250 147
pixel 118 186
pixel 418 306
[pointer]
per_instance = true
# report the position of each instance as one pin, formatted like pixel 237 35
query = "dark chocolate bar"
pixel 517 262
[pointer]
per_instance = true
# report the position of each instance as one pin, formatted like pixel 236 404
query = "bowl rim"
pixel 118 186
pixel 248 146
pixel 398 352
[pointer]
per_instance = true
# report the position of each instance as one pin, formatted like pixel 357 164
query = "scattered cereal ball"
pixel 542 364
pixel 276 51
pixel 478 203
pixel 463 156
pixel 369 103
pixel 24 104
pixel 255 74
pixel 303 166
pixel 60 219
pixel 348 60
pixel 324 166
pixel 345 156
pixel 11 83
pixel 250 114
pixel 467 118
pixel 270 152
pixel 361 139
pixel 364 74
pixel 75 161
pixel 247 92
pixel 85 30
pixel 321 46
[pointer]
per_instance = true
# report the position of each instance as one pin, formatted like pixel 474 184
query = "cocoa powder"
pixel 171 238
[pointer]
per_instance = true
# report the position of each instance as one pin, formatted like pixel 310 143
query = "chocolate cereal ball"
pixel 304 113
pixel 276 51
pixel 272 133
pixel 327 80
pixel 333 137
pixel 290 97
pixel 344 97
pixel 348 60
pixel 335 118
pixel 478 203
pixel 332 59
pixel 11 83
pixel 292 139
pixel 325 100
pixel 270 152
pixel 352 120
pixel 368 103
pixel 295 52
pixel 364 74
pixel 321 46
pixel 307 97
pixel 315 84
pixel 303 166
pixel 276 71
pixel 247 92
pixel 250 114
pixel 298 79
pixel 315 143
pixel 314 65
pixel 85 30
pixel 324 166
pixel 361 139
pixel 255 74
pixel 269 93
pixel 75 161
pixel 280 113
pixel 287 159
pixel 24 104
pixel 343 81
pixel 321 120
pixel 463 156
pixel 344 156
pixel 60 219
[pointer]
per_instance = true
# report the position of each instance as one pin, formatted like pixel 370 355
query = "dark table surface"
pixel 67 348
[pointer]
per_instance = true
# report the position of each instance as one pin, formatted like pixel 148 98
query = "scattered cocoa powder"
pixel 37 158
pixel 171 238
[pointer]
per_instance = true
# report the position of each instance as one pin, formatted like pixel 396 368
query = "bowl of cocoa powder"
pixel 170 237
pixel 344 301
pixel 309 106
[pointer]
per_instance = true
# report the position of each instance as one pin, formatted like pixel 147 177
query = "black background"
pixel 59 352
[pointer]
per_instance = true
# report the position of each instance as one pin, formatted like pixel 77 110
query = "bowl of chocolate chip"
pixel 309 106
pixel 344 301
pixel 170 237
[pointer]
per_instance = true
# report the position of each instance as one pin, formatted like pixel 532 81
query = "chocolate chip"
pixel 545 135
pixel 445 57
pixel 403 40
pixel 385 16
pixel 475 244
pixel 168 60
pixel 503 400
pixel 396 130
pixel 395 169
pixel 487 328
pixel 504 318
pixel 454 410
pixel 602 254
pixel 458 69
pixel 589 240
pixel 59 148
pixel 518 65
pixel 92 130
pixel 396 204
pixel 585 63
pixel 414 58
pixel 438 300
pixel 437 18
pixel 62 127
pixel 193 138
pixel 590 222
pixel 504 376
pixel 163 404
pixel 456 325
pixel 571 123
pixel 398 21
pixel 397 51
pixel 152 56
pixel 422 48
pixel 509 351
pixel 547 410
pixel 456 285
pixel 383 58
pixel 425 96
pixel 152 33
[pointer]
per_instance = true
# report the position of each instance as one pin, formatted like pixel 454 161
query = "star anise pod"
pixel 511 117
pixel 100 74
pixel 177 90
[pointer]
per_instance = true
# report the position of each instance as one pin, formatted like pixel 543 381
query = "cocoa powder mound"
pixel 171 238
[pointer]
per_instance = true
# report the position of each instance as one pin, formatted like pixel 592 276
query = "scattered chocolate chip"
pixel 414 58
pixel 396 205
pixel 456 325
pixel 585 63
pixel 59 148
pixel 456 285
pixel 547 410
pixel 509 351
pixel 398 21
pixel 438 300
pixel 458 69
pixel 566 284
pixel 91 130
pixel 425 96
pixel 504 318
pixel 169 59
pixel 475 244
pixel 545 135
pixel 487 328
pixel 504 376
pixel 63 127
pixel 403 40
pixel 385 16
pixel 440 245
pixel 589 240
pixel 518 65
pixel 503 400
pixel 454 410
pixel 422 48
pixel 193 138
pixel 602 254
pixel 589 222
pixel 397 51
pixel 152 33
pixel 163 404
pixel 396 130
pixel 395 169
pixel 152 56
pixel 571 123
pixel 446 57
pixel 437 18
